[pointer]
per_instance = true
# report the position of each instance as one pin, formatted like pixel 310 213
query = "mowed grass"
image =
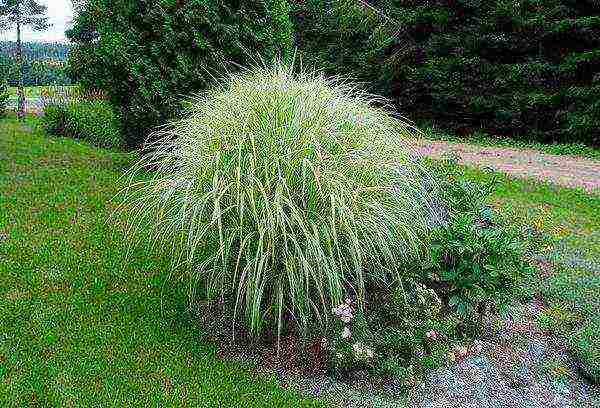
pixel 78 325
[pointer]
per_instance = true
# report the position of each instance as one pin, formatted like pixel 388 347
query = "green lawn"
pixel 79 327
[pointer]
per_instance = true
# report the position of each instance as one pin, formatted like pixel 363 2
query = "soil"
pixel 568 171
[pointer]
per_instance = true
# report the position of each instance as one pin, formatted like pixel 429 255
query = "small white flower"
pixel 344 312
pixel 346 333
pixel 431 335
pixel 361 352
pixel 461 351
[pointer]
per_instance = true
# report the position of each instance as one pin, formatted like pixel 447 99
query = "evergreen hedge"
pixel 529 69
pixel 147 54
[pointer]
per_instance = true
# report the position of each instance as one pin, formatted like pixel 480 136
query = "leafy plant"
pixel 475 262
pixel 282 192
pixel 477 259
pixel 4 96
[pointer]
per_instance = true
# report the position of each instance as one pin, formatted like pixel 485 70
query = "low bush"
pixel 93 121
pixel 283 193
pixel 4 96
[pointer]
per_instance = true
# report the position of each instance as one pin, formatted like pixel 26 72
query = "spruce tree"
pixel 16 14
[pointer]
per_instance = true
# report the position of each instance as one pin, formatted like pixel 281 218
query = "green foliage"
pixel 341 36
pixel 93 121
pixel 477 259
pixel 283 29
pixel 507 69
pixel 282 192
pixel 147 55
pixel 4 96
pixel 476 262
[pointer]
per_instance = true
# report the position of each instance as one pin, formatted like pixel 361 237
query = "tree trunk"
pixel 21 93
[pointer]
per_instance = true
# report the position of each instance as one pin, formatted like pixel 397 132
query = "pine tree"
pixel 18 14
pixel 529 69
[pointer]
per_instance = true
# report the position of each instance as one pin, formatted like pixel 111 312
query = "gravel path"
pixel 569 171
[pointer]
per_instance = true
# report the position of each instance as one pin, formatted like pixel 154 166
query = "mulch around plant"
pixel 515 364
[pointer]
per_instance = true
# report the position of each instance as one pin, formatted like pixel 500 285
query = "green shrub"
pixel 4 96
pixel 477 258
pixel 283 193
pixel 91 120
pixel 146 54
pixel 475 262
pixel 54 119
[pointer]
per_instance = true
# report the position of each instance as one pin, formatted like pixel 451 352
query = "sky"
pixel 60 13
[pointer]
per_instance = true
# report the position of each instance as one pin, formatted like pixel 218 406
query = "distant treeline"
pixel 43 63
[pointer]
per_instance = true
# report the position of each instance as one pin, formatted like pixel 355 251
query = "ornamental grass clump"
pixel 282 192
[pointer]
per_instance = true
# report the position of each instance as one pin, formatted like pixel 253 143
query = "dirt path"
pixel 569 171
